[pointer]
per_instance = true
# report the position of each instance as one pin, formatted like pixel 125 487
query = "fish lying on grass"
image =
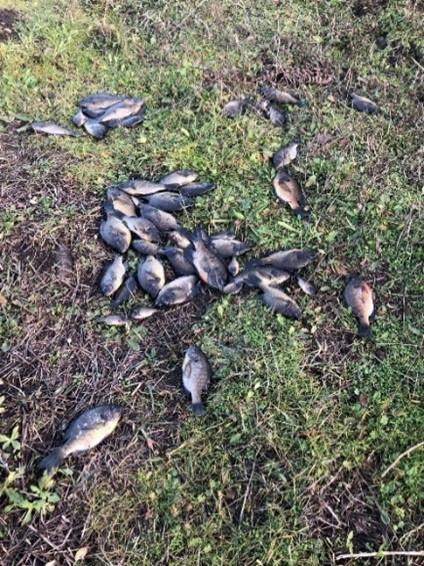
pixel 126 292
pixel 52 129
pixel 179 178
pixel 208 264
pixel 288 260
pixel 280 302
pixel 179 262
pixel 84 432
pixel 178 291
pixel 234 108
pixel 288 191
pixel 113 320
pixel 306 287
pixel 285 155
pixel 165 221
pixel 141 187
pixel 196 377
pixel 151 275
pixel 115 234
pixel 141 312
pixel 358 295
pixel 113 276
pixel 226 245
pixel 280 97
pixel 363 104
pixel 169 201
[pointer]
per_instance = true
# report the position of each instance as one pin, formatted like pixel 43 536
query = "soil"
pixel 8 21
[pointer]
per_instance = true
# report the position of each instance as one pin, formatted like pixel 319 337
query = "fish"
pixel 142 228
pixel 276 117
pixel 197 374
pixel 95 104
pixel 161 219
pixel 79 119
pixel 95 129
pixel 196 189
pixel 52 129
pixel 151 275
pixel 169 202
pixel 179 262
pixel 180 237
pixel 145 247
pixel 113 276
pixel 178 291
pixel 281 303
pixel 179 178
pixel 118 201
pixel 362 104
pixel 129 122
pixel 141 312
pixel 226 245
pixel 285 155
pixel 121 110
pixel 114 320
pixel 233 287
pixel 358 295
pixel 127 291
pixel 288 260
pixel 234 108
pixel 84 432
pixel 209 266
pixel 306 287
pixel 233 267
pixel 115 234
pixel 280 97
pixel 64 263
pixel 269 276
pixel 141 187
pixel 288 191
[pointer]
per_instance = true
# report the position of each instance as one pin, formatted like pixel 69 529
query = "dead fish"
pixel 179 262
pixel 196 377
pixel 118 201
pixel 196 189
pixel 209 266
pixel 79 119
pixel 115 234
pixel 52 129
pixel 276 117
pixel 169 202
pixel 233 267
pixel 129 122
pixel 362 104
pixel 280 97
pixel 142 228
pixel 306 287
pixel 178 291
pixel 121 110
pixel 358 295
pixel 146 248
pixel 280 302
pixel 64 263
pixel 285 155
pixel 95 129
pixel 113 276
pixel 151 275
pixel 127 291
pixel 161 219
pixel 84 432
pixel 288 191
pixel 95 104
pixel 141 187
pixel 226 245
pixel 141 312
pixel 266 276
pixel 179 178
pixel 113 320
pixel 234 108
pixel 180 237
pixel 288 260
pixel 233 287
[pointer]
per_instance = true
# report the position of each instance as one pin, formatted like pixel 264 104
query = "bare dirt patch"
pixel 8 21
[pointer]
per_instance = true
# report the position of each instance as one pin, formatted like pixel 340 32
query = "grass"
pixel 302 419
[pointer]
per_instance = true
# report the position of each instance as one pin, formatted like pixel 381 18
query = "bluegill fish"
pixel 178 291
pixel 113 276
pixel 358 295
pixel 151 275
pixel 196 377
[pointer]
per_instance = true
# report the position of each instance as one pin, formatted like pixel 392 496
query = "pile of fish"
pixel 140 214
pixel 97 114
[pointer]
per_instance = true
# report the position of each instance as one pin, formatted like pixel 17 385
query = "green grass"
pixel 285 435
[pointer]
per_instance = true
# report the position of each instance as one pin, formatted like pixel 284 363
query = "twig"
pixel 401 456
pixel 246 494
pixel 381 554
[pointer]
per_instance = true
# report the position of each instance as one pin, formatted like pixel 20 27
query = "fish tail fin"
pixel 364 330
pixel 198 409
pixel 52 461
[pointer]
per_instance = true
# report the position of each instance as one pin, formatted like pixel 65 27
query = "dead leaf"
pixel 81 553
pixel 363 401
pixel 323 138
pixel 3 300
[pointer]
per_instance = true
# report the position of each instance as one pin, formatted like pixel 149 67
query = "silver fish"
pixel 289 260
pixel 358 295
pixel 285 155
pixel 141 187
pixel 79 119
pixel 179 262
pixel 129 122
pixel 288 191
pixel 113 276
pixel 95 104
pixel 233 267
pixel 141 312
pixel 280 302
pixel 233 287
pixel 178 291
pixel 151 275
pixel 196 377
pixel 52 129
pixel 280 97
pixel 121 110
pixel 363 104
pixel 306 287
pixel 161 219
pixel 276 117
pixel 118 201
pixel 114 320
pixel 146 248
pixel 83 433
pixel 226 245
pixel 265 276
pixel 127 291
pixel 179 178
pixel 115 234
pixel 180 237
pixel 95 129
pixel 234 108
pixel 142 228
pixel 196 189
pixel 169 202
pixel 209 266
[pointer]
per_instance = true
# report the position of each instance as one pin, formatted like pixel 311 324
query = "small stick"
pixel 401 456
pixel 381 554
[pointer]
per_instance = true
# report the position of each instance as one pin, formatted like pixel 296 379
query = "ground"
pixel 303 418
